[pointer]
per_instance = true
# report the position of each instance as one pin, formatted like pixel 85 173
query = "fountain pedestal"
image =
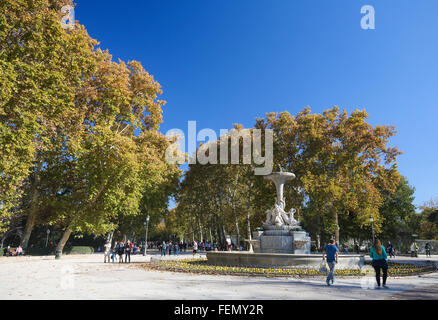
pixel 284 239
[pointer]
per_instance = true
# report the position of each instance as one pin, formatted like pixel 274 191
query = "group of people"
pixel 414 249
pixel 120 249
pixel 378 255
pixel 169 247
pixel 8 252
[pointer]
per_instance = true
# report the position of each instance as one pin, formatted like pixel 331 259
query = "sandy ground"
pixel 87 277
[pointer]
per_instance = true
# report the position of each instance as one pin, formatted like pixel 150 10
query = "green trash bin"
pixel 58 254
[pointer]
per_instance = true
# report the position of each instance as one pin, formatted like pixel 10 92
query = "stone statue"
pixel 278 216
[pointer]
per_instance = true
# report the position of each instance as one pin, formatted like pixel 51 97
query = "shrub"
pixel 79 250
pixel 36 251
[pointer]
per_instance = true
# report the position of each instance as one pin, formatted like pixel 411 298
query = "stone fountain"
pixel 282 242
pixel 282 233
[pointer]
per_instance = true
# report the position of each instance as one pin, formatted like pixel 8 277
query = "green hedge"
pixel 40 251
pixel 79 250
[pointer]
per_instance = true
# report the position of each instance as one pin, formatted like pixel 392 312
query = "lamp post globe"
pixel 372 226
pixel 47 238
pixel 146 224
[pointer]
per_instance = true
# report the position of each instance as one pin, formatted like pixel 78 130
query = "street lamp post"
pixel 146 223
pixel 372 226
pixel 47 239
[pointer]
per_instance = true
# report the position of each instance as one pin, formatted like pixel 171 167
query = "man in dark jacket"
pixel 128 251
pixel 120 251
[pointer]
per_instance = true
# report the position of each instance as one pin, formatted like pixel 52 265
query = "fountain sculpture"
pixel 282 233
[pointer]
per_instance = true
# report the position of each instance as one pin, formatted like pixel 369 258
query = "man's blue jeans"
pixel 332 270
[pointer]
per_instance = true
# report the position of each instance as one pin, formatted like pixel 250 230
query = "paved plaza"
pixel 87 277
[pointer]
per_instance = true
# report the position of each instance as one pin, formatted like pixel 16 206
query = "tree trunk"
pixel 237 226
pixel 64 239
pixel 200 229
pixel 31 218
pixel 250 248
pixel 238 235
pixel 337 229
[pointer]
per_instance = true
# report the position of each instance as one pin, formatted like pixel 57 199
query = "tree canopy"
pixel 344 168
pixel 80 147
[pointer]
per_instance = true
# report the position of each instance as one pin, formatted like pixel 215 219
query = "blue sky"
pixel 231 61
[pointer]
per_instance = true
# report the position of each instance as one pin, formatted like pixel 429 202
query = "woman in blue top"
pixel 379 256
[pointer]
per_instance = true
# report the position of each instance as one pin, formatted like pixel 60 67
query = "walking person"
pixel 163 248
pixel 114 253
pixel 414 250
pixel 120 251
pixel 331 250
pixel 380 257
pixel 107 252
pixel 427 247
pixel 176 247
pixel 357 248
pixel 131 247
pixel 128 252
pixel 195 247
pixel 169 247
pixel 390 250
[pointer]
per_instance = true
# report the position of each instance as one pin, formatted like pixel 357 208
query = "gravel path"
pixel 87 277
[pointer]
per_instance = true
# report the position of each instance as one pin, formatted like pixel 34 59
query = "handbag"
pixel 323 267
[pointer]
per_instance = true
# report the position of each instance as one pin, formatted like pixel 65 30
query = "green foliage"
pixel 428 221
pixel 343 165
pixel 398 212
pixel 79 144
pixel 79 250
pixel 36 251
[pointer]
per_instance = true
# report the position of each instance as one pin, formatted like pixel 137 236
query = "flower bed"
pixel 406 269
pixel 201 266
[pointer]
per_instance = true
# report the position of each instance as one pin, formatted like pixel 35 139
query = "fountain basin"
pixel 245 258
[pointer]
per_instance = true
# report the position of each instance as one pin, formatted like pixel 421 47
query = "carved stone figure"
pixel 278 216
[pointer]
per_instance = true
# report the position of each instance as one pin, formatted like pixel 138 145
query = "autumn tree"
pixel 344 168
pixel 342 163
pixel 42 66
pixel 428 223
pixel 79 132
pixel 216 200
pixel 398 212
pixel 116 156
